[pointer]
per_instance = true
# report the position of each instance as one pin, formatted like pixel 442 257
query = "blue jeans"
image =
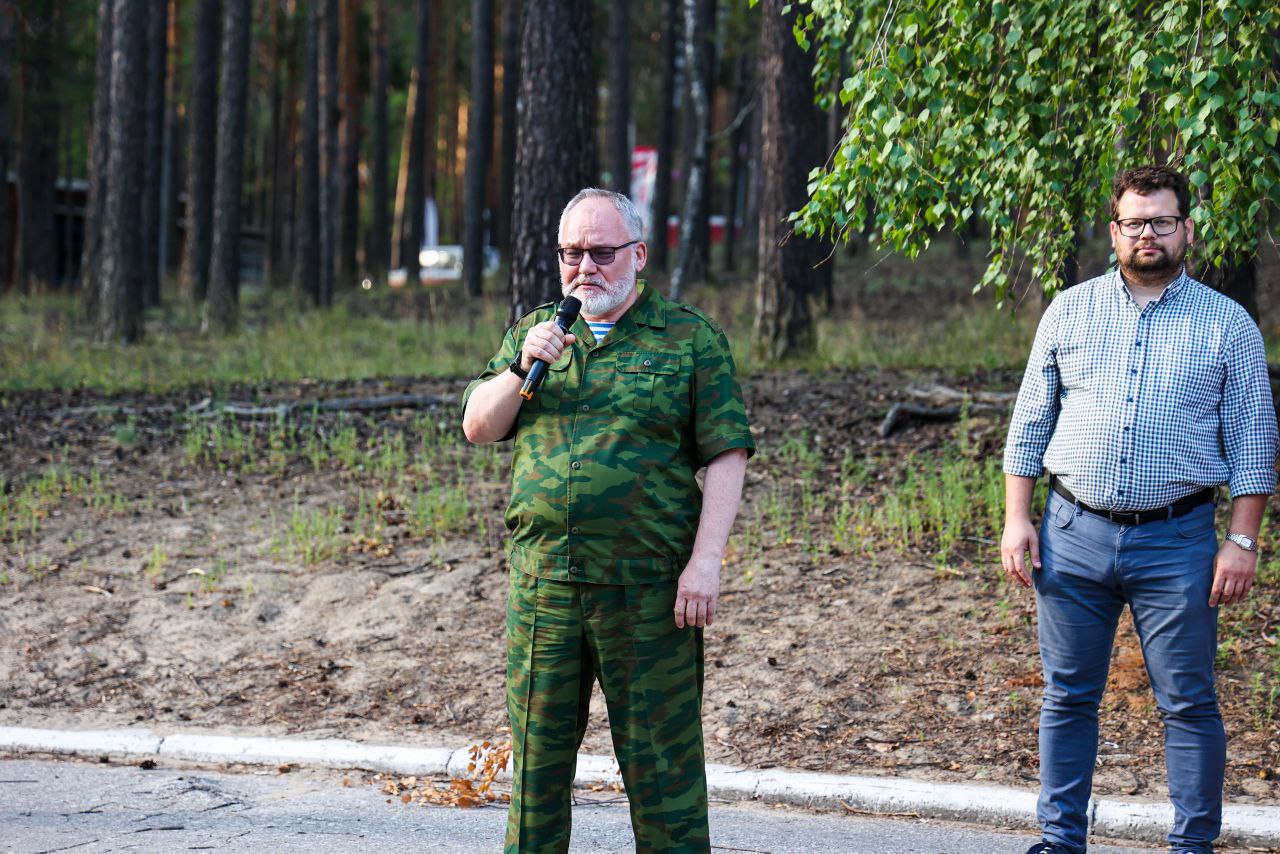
pixel 1163 571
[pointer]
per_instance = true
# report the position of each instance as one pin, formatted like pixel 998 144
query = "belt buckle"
pixel 1130 518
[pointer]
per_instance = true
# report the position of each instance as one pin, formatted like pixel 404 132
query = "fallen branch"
pixel 901 412
pixel 946 393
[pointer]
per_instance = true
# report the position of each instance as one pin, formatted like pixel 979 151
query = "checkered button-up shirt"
pixel 1134 408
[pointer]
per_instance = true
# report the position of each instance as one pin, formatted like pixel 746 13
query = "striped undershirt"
pixel 599 328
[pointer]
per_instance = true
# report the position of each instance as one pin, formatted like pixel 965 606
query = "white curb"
pixel 323 753
pixel 123 742
pixel 1242 824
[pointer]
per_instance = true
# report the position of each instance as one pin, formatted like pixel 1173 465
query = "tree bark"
pixel 420 146
pixel 510 94
pixel 380 232
pixel 170 133
pixel 38 154
pixel 555 142
pixel 277 71
pixel 223 306
pixel 329 27
pixel 349 158
pixel 479 142
pixel 153 147
pixel 1237 277
pixel 666 136
pixel 306 266
pixel 202 151
pixel 793 141
pixel 620 96
pixel 738 138
pixel 119 277
pixel 99 146
pixel 699 62
pixel 7 13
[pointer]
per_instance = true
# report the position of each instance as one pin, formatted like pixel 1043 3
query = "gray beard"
pixel 599 304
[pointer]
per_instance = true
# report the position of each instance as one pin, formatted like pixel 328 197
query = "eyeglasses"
pixel 601 255
pixel 1161 225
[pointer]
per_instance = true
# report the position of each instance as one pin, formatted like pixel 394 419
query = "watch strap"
pixel 515 368
pixel 1244 541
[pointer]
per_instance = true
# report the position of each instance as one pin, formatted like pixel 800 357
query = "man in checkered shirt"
pixel 1145 391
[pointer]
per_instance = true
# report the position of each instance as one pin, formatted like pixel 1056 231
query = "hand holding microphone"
pixel 546 342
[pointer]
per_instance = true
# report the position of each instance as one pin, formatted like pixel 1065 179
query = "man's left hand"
pixel 696 593
pixel 1233 571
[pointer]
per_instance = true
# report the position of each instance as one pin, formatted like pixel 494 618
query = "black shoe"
pixel 1048 848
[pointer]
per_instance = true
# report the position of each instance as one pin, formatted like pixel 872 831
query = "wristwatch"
pixel 515 368
pixel 1244 541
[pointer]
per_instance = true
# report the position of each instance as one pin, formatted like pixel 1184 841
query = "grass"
pixel 24 506
pixel 43 345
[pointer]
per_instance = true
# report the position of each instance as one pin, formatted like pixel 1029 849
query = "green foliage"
pixel 1021 113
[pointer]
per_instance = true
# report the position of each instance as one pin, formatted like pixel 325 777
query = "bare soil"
pixel 176 607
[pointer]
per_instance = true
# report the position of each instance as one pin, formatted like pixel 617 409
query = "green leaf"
pixel 1199 178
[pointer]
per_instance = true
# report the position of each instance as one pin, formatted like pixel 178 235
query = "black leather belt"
pixel 1181 507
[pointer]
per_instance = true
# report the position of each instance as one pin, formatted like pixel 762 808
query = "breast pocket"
pixel 549 394
pixel 646 380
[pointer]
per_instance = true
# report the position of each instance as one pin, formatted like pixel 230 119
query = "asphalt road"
pixel 55 806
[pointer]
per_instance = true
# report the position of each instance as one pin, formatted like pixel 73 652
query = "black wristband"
pixel 515 368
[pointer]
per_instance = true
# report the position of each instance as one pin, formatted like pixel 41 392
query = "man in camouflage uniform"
pixel 615 552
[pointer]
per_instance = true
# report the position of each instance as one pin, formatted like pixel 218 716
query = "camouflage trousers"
pixel 561 638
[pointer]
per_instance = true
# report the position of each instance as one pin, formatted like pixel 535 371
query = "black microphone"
pixel 566 314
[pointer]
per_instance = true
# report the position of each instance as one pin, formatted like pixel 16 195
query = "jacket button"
pixel 648 363
pixel 575 465
pixel 573 530
pixel 573 570
pixel 586 407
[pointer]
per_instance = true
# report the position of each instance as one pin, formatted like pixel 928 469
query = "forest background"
pixel 233 489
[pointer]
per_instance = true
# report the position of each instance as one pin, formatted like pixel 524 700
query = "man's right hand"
pixel 546 342
pixel 1019 539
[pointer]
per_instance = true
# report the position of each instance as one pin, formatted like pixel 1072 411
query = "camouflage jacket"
pixel 603 487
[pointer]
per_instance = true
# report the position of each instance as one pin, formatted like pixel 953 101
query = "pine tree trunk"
pixel 479 142
pixel 420 147
pixel 153 148
pixel 119 277
pixel 793 142
pixel 620 95
pixel 95 207
pixel 202 151
pixel 510 93
pixel 223 306
pixel 329 27
pixel 282 221
pixel 1237 277
pixel 380 232
pixel 691 264
pixel 742 93
pixel 7 13
pixel 555 142
pixel 167 220
pixel 306 266
pixel 658 252
pixel 38 154
pixel 349 158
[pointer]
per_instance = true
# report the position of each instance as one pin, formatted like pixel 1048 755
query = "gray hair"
pixel 624 206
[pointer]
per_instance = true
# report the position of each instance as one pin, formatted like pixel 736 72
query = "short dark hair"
pixel 1146 180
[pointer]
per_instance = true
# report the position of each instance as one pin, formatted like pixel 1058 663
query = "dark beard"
pixel 1164 263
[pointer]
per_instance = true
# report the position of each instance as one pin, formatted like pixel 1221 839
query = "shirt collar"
pixel 649 309
pixel 1170 291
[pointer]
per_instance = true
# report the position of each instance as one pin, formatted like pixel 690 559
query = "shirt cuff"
pixel 1021 465
pixel 710 452
pixel 1252 482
